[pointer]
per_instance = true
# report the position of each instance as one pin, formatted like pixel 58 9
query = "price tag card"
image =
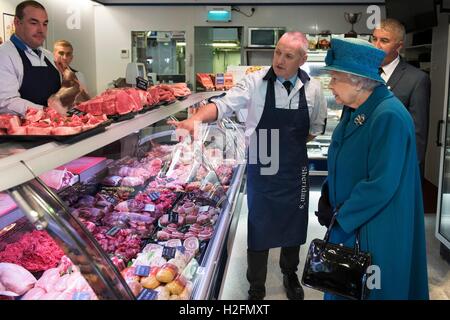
pixel 200 270
pixel 169 252
pixel 203 209
pixel 75 111
pixel 113 231
pixel 142 271
pixel 154 196
pixel 173 217
pixel 149 207
pixel 147 294
pixel 141 83
pixel 81 295
pixel 181 249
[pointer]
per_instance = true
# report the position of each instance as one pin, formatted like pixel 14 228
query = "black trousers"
pixel 257 267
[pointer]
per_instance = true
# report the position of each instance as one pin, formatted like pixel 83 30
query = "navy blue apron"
pixel 38 83
pixel 278 204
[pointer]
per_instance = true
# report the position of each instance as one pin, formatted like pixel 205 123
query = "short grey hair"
pixel 300 37
pixel 366 83
pixel 393 26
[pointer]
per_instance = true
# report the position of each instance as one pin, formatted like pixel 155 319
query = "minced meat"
pixel 35 251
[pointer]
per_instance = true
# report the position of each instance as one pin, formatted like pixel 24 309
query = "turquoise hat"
pixel 355 56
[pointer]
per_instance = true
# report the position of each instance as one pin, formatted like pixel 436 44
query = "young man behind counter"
pixel 63 54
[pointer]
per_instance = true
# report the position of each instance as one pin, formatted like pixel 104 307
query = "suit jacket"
pixel 412 87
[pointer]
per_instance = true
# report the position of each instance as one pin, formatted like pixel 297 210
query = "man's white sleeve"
pixel 10 100
pixel 319 114
pixel 236 98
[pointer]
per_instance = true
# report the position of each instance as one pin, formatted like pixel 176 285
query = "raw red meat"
pixel 39 130
pixel 48 122
pixel 65 131
pixel 35 251
pixel 34 115
pixel 21 131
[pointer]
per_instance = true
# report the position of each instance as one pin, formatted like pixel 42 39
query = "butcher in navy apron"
pixel 40 82
pixel 278 203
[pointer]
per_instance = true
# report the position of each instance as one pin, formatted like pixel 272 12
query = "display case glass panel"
pixel 143 217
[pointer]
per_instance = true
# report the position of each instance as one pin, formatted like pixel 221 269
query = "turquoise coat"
pixel 373 175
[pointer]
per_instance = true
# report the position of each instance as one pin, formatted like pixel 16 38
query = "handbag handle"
pixel 327 234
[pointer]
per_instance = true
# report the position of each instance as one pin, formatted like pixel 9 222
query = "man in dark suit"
pixel 408 83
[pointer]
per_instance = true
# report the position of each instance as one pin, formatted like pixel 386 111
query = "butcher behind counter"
pixel 30 77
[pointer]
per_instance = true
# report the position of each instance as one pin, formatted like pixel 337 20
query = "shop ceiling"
pixel 240 2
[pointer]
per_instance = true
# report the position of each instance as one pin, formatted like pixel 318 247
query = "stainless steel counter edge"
pixel 202 287
pixel 51 155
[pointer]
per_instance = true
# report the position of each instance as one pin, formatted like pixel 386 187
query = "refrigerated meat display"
pixel 147 218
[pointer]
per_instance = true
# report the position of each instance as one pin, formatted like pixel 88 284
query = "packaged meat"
pixel 130 205
pixel 132 181
pixel 173 243
pixel 205 235
pixel 191 219
pixel 163 235
pixel 34 294
pixel 163 293
pixel 150 282
pixel 135 287
pixel 86 201
pixel 167 273
pixel 58 179
pixel 191 243
pixel 177 235
pixel 158 262
pixel 196 228
pixel 177 285
pixel 180 263
pixel 90 214
pixel 190 270
pixel 15 278
pixel 187 292
pixel 129 275
pixel 112 181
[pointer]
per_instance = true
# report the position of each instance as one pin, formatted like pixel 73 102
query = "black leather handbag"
pixel 337 269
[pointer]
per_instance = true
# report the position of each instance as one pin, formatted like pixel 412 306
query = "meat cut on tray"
pixel 48 122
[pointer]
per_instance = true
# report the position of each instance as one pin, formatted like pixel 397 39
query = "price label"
pixel 200 270
pixel 108 197
pixel 203 209
pixel 154 195
pixel 113 231
pixel 75 111
pixel 173 217
pixel 142 271
pixel 182 249
pixel 169 252
pixel 149 208
pixel 147 294
pixel 141 83
pixel 220 79
pixel 80 295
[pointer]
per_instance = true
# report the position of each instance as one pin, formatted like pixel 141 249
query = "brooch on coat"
pixel 359 120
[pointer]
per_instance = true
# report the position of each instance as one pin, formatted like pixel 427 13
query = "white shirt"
pixel 11 75
pixel 250 94
pixel 388 69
